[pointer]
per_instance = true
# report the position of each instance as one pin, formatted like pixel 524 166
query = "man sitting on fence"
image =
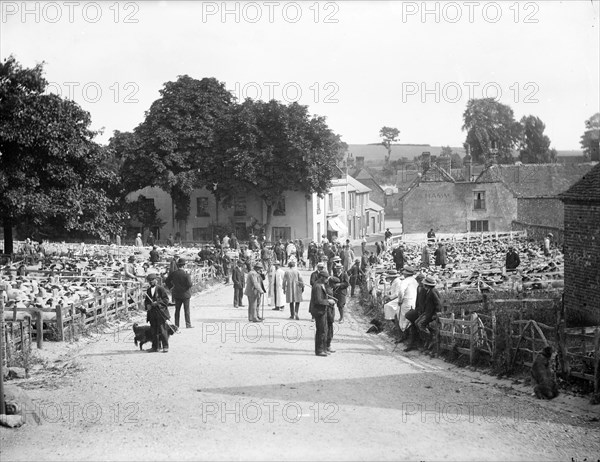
pixel 432 306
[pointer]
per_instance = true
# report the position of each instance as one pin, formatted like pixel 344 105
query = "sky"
pixel 411 65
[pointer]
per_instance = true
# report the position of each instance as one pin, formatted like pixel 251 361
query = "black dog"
pixel 143 334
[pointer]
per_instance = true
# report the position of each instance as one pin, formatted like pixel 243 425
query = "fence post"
pixel 39 328
pixel 59 322
pixel 596 360
pixel 2 289
pixel 472 324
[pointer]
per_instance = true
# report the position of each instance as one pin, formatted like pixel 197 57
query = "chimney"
pixel 467 167
pixel 360 162
pixel 426 160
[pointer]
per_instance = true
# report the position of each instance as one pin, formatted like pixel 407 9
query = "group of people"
pixel 412 304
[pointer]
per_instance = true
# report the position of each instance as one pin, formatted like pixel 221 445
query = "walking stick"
pixel 262 314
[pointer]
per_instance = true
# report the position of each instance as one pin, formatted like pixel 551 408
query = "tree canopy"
pixel 53 176
pixel 535 145
pixel 389 135
pixel 591 135
pixel 491 130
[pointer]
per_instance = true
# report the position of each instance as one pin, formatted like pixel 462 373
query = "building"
pixel 582 249
pixel 345 211
pixel 535 188
pixel 500 198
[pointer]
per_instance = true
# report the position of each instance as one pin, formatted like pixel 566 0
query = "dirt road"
pixel 230 390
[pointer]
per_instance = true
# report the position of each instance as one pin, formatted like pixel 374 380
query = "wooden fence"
pixel 17 339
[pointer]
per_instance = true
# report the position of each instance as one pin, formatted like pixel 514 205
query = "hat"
pixel 338 265
pixel 151 277
pixel 321 265
pixel 550 235
pixel 391 272
pixel 419 277
pixel 429 281
pixel 258 265
pixel 323 274
pixel 409 270
pixel 336 258
pixel 181 262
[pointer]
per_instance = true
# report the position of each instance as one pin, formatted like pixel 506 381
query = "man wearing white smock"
pixel 390 309
pixel 407 297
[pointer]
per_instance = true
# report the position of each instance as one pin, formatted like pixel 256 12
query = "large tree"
pixel 491 130
pixel 53 177
pixel 389 135
pixel 173 147
pixel 535 145
pixel 589 139
pixel 270 148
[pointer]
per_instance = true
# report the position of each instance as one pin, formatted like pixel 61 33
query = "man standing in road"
pixel 440 256
pixel 156 303
pixel 277 294
pixel 293 286
pixel 254 291
pixel 238 279
pixel 340 289
pixel 319 306
pixel 181 283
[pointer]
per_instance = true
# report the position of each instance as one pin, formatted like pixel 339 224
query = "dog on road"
pixel 143 334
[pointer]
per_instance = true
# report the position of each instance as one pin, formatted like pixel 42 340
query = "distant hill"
pixel 375 153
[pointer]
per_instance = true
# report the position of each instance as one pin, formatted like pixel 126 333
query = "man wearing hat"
pixel 238 279
pixel 407 298
pixel 340 288
pixel 138 240
pixel 432 306
pixel 129 270
pixel 355 274
pixel 413 315
pixel 254 291
pixel 293 286
pixel 276 289
pixel 398 257
pixel 156 303
pixel 319 306
pixel 390 307
pixel 512 259
pixel 181 283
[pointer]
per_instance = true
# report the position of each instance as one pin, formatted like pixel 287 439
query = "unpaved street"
pixel 230 390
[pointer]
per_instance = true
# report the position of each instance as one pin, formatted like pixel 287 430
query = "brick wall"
pixel 582 263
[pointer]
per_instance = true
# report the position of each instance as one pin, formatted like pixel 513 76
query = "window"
pixel 352 200
pixel 478 226
pixel 200 234
pixel 280 207
pixel 283 233
pixel 318 232
pixel 202 207
pixel 330 202
pixel 479 200
pixel 148 201
pixel 239 206
pixel 343 200
pixel 318 205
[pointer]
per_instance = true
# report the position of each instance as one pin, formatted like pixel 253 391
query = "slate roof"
pixel 535 180
pixel 587 189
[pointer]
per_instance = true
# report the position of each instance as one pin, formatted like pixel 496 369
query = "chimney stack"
pixel 594 151
pixel 426 160
pixel 467 167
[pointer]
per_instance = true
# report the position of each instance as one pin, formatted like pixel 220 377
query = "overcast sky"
pixel 363 65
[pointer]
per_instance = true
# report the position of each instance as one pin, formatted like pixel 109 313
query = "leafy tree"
pixel 174 147
pixel 591 136
pixel 455 160
pixel 270 148
pixel 145 212
pixel 389 135
pixel 446 151
pixel 535 146
pixel 490 126
pixel 52 175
